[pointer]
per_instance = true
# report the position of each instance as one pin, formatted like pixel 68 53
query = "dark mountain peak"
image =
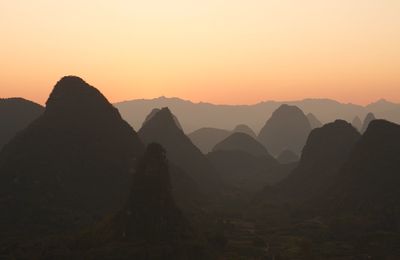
pixel 242 128
pixel 152 113
pixel 288 156
pixel 151 213
pixel 326 150
pixel 336 135
pixel 73 94
pixel 15 115
pixel 17 104
pixel 380 127
pixel 288 128
pixel 243 142
pixel 314 121
pixel 12 100
pixel 368 182
pixel 78 156
pixel 368 118
pixel 163 129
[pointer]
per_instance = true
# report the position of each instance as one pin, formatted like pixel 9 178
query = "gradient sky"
pixel 219 51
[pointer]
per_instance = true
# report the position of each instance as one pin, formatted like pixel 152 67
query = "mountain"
pixel 368 182
pixel 327 149
pixel 288 128
pixel 15 115
pixel 357 124
pixel 194 116
pixel 314 122
pixel 162 128
pixel 368 119
pixel 150 213
pixel 288 156
pixel 244 171
pixel 243 142
pixel 71 163
pixel 206 138
pixel 244 163
pixel 149 225
pixel 242 128
pixel 155 111
pixel 382 106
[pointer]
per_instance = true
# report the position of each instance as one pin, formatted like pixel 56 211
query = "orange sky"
pixel 218 51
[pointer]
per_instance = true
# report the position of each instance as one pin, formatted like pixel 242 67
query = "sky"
pixel 225 52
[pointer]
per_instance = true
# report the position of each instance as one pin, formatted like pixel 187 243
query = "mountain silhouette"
pixel 314 122
pixel 76 159
pixel 206 138
pixel 155 111
pixel 368 182
pixel 150 213
pixel 326 151
pixel 357 124
pixel 162 128
pixel 244 163
pixel 288 128
pixel 288 156
pixel 245 171
pixel 242 128
pixel 368 119
pixel 194 116
pixel 243 142
pixel 15 115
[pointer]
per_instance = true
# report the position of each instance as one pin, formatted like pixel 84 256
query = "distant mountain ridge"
pixel 194 116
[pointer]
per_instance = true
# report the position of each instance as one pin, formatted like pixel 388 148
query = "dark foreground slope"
pixel 346 212
pixel 15 115
pixel 148 226
pixel 75 160
pixel 368 183
pixel 324 154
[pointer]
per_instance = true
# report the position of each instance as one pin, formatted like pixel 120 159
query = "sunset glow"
pixel 232 52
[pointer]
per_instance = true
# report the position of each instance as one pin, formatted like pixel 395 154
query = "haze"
pixel 234 52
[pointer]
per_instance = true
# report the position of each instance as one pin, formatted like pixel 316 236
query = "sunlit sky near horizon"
pixel 226 52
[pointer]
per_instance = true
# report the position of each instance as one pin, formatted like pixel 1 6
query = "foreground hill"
pixel 327 149
pixel 75 160
pixel 150 213
pixel 367 185
pixel 15 115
